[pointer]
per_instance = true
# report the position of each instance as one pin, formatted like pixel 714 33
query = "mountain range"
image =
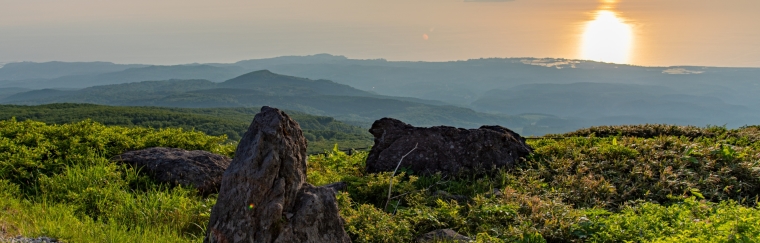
pixel 533 95
pixel 255 89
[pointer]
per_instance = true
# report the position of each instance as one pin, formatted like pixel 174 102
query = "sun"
pixel 607 39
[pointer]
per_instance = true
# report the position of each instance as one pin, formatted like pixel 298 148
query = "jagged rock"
pixel 264 197
pixel 444 149
pixel 200 169
pixel 444 235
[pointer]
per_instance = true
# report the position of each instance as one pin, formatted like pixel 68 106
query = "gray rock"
pixel 445 235
pixel 200 169
pixel 21 239
pixel 444 149
pixel 264 196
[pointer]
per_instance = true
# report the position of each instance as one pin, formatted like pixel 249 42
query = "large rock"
pixel 443 149
pixel 264 197
pixel 200 169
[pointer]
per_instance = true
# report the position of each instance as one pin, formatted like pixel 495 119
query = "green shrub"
pixel 647 131
pixel 31 149
pixel 591 172
pixel 68 168
pixel 687 221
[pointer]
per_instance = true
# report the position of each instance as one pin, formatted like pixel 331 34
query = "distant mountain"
pixel 267 81
pixel 599 104
pixel 255 89
pixel 462 82
pixel 576 93
pixel 695 95
pixel 49 70
pixel 149 73
pixel 5 92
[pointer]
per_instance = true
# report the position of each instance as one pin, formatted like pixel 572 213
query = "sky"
pixel 638 32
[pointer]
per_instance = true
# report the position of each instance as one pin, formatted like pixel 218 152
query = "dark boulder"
pixel 200 169
pixel 443 149
pixel 264 196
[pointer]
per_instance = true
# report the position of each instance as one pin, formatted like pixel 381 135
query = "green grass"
pixel 58 181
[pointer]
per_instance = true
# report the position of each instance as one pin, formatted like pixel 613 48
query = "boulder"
pixel 264 196
pixel 444 149
pixel 200 169
pixel 442 235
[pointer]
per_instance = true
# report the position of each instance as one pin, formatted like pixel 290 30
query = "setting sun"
pixel 607 39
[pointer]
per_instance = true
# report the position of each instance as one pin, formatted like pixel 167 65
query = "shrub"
pixel 647 131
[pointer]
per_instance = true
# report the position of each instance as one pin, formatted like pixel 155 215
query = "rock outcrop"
pixel 264 196
pixel 443 149
pixel 200 169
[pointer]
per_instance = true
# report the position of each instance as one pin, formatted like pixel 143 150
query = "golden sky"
pixel 662 32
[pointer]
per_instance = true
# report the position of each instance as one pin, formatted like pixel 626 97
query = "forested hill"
pixel 322 132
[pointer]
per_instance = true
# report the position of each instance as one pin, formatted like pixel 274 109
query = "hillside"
pixel 629 184
pixel 321 132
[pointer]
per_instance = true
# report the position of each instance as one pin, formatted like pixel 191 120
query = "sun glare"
pixel 607 39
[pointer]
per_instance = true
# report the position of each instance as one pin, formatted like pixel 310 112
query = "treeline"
pixel 321 132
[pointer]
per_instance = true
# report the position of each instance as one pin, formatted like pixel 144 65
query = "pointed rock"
pixel 264 197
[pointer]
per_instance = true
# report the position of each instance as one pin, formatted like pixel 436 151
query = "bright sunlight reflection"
pixel 607 39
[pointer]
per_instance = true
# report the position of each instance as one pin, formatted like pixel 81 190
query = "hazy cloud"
pixel 488 1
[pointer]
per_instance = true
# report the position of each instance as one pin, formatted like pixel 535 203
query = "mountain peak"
pixel 262 77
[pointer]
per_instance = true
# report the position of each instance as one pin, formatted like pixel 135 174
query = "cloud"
pixel 488 1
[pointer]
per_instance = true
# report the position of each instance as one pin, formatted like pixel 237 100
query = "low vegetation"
pixel 322 132
pixel 58 181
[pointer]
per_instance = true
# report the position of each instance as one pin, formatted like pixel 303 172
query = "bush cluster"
pixel 647 131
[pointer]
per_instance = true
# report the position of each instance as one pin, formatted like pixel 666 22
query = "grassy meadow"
pixel 647 183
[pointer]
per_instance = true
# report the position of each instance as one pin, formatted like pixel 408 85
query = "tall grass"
pixel 59 181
